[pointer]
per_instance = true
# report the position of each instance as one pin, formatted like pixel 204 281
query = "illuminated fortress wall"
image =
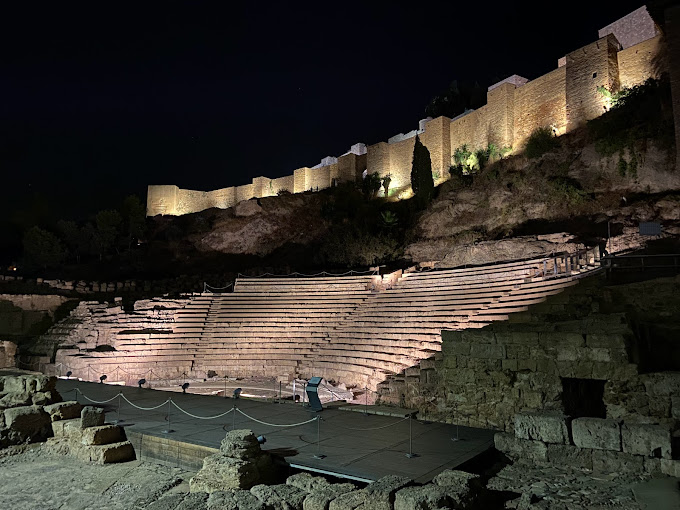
pixel 562 100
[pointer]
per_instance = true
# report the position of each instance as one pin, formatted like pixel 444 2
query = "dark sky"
pixel 102 98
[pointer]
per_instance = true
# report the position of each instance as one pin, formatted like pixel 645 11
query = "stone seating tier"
pixel 341 328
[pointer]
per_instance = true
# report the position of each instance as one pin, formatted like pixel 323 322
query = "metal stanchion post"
pixel 366 401
pixel 168 430
pixel 233 418
pixel 118 420
pixel 225 385
pixel 455 413
pixel 410 453
pixel 318 454
pixel 279 392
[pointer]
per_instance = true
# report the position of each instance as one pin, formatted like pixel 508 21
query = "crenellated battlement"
pixel 562 100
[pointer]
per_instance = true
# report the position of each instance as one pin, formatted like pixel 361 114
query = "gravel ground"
pixel 31 479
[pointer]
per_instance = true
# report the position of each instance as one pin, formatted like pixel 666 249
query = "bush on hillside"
pixel 540 141
pixel 643 111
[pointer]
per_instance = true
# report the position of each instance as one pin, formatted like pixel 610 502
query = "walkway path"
pixel 353 444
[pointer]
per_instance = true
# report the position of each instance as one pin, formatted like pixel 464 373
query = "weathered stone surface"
pixel 349 500
pixel 105 454
pixel 520 449
pixel 240 444
pixel 670 467
pixel 238 499
pixel 307 482
pixel 616 462
pixel 597 433
pixel 15 400
pixel 29 383
pixel 280 497
pixel 67 428
pixel 377 496
pixel 167 502
pixel 647 440
pixel 25 424
pixel 247 208
pixel 220 473
pixel 104 434
pixel 92 417
pixel 546 426
pixel 322 496
pixel 42 398
pixel 425 497
pixel 572 456
pixel 454 478
pixel 64 410
pixel 193 501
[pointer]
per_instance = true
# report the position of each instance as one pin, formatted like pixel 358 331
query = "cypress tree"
pixel 421 173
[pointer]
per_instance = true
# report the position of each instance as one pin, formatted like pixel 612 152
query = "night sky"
pixel 101 99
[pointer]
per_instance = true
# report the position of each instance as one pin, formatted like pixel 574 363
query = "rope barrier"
pixel 201 417
pixel 276 424
pixel 143 408
pixel 97 401
pixel 210 288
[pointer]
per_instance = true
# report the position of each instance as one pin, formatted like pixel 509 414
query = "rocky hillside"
pixel 514 208
pixel 606 177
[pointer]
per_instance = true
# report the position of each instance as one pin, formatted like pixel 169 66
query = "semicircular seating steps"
pixel 345 328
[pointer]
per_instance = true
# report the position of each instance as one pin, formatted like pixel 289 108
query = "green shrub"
pixel 643 111
pixel 568 190
pixel 540 141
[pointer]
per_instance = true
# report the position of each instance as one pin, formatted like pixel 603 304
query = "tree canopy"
pixel 421 173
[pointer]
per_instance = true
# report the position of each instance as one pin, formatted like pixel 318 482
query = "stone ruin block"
pixel 279 496
pixel 520 449
pixel 104 434
pixel 596 433
pixel 24 424
pixel 91 417
pixel 572 456
pixel 617 462
pixel 240 464
pixel 670 467
pixel 546 426
pixel 64 410
pixel 647 440
pixel 425 496
pixel 377 496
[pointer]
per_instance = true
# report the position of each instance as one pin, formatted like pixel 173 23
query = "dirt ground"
pixel 31 479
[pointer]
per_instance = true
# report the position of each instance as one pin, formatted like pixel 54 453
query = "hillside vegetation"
pixel 555 194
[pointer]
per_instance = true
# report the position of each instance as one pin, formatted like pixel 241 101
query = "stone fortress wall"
pixel 562 99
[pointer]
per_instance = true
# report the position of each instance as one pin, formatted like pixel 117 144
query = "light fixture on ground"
pixel 141 383
pixel 102 378
pixel 237 393
pixel 261 439
pixel 184 387
pixel 69 374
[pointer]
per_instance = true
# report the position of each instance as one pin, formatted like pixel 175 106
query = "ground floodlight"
pixel 184 387
pixel 141 382
pixel 69 374
pixel 261 439
pixel 237 392
pixel 102 379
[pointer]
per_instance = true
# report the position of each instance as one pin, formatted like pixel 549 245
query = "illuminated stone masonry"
pixel 562 100
pixel 352 329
